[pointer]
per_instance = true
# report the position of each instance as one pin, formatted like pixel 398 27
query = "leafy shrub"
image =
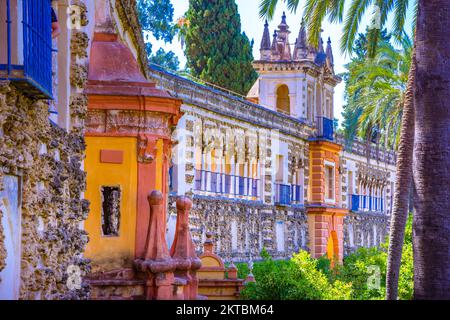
pixel 359 266
pixel 305 278
pixel 294 279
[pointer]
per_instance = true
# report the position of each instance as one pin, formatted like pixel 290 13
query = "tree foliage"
pixel 296 279
pixel 364 263
pixel 315 11
pixel 305 278
pixel 375 91
pixel 156 18
pixel 167 60
pixel 216 49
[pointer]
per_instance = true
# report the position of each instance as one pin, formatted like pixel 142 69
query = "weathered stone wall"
pixel 364 230
pixel 256 227
pixel 3 106
pixel 49 160
pixel 255 224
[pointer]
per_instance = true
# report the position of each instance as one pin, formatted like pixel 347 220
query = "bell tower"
pixel 301 85
pixel 297 81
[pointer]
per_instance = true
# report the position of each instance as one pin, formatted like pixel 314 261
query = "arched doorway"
pixel 333 247
pixel 283 100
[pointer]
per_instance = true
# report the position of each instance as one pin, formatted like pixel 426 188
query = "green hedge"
pixel 305 278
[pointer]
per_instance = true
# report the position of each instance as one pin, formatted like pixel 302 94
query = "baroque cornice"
pixel 229 106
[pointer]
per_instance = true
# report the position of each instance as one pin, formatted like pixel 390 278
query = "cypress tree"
pixel 216 50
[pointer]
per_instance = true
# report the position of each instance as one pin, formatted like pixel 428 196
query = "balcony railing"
pixel 26 46
pixel 325 128
pixel 226 184
pixel 366 203
pixel 296 194
pixel 282 194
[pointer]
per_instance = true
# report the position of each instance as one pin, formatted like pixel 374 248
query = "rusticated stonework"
pixel 78 75
pixel 79 44
pixel 49 161
pixel 3 107
pixel 364 230
pixel 255 227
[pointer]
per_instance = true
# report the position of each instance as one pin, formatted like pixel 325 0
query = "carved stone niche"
pixel 110 210
pixel 146 149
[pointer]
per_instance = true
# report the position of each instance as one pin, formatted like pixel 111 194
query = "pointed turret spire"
pixel 274 47
pixel 283 18
pixel 321 57
pixel 330 59
pixel 301 40
pixel 320 49
pixel 283 25
pixel 283 39
pixel 301 47
pixel 329 51
pixel 275 52
pixel 265 42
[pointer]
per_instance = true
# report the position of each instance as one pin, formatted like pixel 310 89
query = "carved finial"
pixel 232 271
pixel 330 58
pixel 155 198
pixel 250 276
pixel 274 42
pixel 283 18
pixel 184 203
pixel 208 246
pixel 283 25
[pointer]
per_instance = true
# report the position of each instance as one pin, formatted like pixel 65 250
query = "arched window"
pixel 283 101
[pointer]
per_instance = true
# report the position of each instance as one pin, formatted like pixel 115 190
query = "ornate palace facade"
pixel 268 170
pixel 84 138
pixel 96 149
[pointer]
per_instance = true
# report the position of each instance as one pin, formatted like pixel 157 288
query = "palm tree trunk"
pixel 403 181
pixel 431 224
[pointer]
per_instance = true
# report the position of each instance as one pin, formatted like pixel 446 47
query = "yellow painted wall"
pixel 159 165
pixel 108 252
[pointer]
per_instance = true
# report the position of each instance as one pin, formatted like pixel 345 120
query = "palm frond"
pixel 292 5
pixel 336 11
pixel 267 8
pixel 314 14
pixel 351 23
pixel 401 8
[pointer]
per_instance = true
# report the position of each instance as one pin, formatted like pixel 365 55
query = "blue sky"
pixel 253 27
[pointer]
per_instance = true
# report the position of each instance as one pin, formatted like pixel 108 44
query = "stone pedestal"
pixel 183 250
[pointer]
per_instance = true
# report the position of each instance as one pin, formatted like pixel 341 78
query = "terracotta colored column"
pixel 325 217
pixel 183 250
pixel 156 262
pixel 146 145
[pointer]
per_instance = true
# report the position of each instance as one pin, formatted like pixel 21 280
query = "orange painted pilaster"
pixel 325 215
pixel 129 125
pixel 325 226
pixel 146 181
